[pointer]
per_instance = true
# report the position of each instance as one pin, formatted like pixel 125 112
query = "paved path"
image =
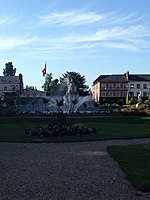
pixel 64 171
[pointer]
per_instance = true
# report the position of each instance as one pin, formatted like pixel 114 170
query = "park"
pixel 56 141
pixel 70 138
pixel 109 129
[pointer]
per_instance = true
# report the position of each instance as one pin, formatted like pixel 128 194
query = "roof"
pixel 121 78
pixel 139 77
pixel 111 78
pixel 9 80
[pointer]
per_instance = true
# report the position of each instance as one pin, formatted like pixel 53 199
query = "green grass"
pixel 113 127
pixel 135 162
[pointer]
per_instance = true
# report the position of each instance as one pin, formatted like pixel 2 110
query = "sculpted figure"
pixel 72 88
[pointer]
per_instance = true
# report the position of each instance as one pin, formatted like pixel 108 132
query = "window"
pixel 145 94
pixel 103 86
pixel 124 85
pixel 5 88
pixel 125 93
pixel 110 94
pixel 131 85
pixel 118 94
pixel 118 86
pixel 110 85
pixel 131 94
pixel 144 86
pixel 138 86
pixel 103 94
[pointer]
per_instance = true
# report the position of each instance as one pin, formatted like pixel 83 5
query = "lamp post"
pixel 128 92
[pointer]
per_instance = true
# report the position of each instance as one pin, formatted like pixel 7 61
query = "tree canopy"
pixel 50 86
pixel 29 88
pixel 59 86
pixel 9 69
pixel 79 81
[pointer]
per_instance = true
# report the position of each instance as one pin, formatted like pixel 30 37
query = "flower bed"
pixel 56 130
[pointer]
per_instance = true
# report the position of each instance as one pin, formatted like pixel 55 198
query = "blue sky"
pixel 91 37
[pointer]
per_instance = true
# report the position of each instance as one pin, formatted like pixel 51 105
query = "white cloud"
pixel 8 20
pixel 5 20
pixel 117 45
pixel 71 18
pixel 115 18
pixel 7 43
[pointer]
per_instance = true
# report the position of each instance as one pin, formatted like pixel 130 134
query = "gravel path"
pixel 64 171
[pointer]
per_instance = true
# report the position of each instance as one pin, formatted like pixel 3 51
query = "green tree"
pixel 79 81
pixel 51 86
pixel 29 88
pixel 9 69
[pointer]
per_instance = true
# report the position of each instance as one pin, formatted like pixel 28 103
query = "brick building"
pixel 114 88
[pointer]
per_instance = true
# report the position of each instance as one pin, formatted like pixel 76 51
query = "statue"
pixel 72 88
pixel 139 95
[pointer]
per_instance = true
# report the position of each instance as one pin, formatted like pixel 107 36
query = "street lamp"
pixel 128 92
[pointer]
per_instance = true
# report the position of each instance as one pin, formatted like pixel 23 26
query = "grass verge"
pixel 134 161
pixel 12 129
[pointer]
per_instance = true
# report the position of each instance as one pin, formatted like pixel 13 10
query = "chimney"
pixel 127 75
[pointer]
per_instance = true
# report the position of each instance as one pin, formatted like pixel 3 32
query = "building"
pixel 114 88
pixel 11 84
pixel 33 94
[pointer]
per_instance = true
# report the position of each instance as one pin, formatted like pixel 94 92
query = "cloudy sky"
pixel 92 37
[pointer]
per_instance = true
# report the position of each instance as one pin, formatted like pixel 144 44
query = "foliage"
pixel 29 88
pixel 95 104
pixel 9 69
pixel 79 81
pixel 133 100
pixel 51 86
pixel 60 127
pixel 147 103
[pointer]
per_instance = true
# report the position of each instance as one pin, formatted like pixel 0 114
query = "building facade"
pixel 10 84
pixel 33 94
pixel 114 88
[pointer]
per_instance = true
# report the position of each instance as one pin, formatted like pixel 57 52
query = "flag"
pixel 44 70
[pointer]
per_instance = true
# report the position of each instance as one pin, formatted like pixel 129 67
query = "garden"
pixel 19 128
pixel 133 159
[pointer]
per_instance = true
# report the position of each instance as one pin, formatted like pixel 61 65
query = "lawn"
pixel 12 129
pixel 135 162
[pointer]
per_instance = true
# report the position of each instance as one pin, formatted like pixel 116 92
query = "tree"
pixel 29 88
pixel 79 81
pixel 51 86
pixel 9 69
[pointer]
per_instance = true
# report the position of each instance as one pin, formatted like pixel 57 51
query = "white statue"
pixel 72 88
pixel 139 95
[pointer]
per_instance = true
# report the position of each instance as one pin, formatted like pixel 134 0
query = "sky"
pixel 91 37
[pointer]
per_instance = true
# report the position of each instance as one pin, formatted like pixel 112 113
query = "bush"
pixel 56 130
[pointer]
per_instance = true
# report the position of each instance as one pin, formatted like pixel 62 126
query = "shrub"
pixel 56 130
